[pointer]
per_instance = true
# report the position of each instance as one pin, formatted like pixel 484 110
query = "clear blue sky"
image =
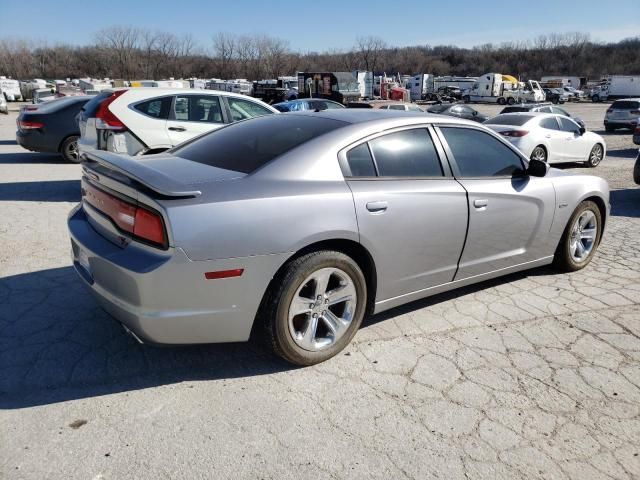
pixel 327 24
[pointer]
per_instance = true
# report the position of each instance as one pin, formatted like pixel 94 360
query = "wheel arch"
pixel 600 203
pixel 65 139
pixel 350 248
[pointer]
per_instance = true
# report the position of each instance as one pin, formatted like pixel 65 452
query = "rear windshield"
pixel 91 107
pixel 516 120
pixel 625 105
pixel 248 145
pixel 60 103
pixel 514 109
pixel 438 108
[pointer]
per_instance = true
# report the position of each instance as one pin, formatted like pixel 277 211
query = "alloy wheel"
pixel 539 154
pixel 322 309
pixel 583 236
pixel 595 157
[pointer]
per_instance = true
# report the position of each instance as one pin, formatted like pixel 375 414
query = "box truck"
pixel 11 89
pixel 616 86
pixel 503 89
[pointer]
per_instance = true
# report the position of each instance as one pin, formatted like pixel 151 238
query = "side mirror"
pixel 582 130
pixel 537 168
pixel 475 113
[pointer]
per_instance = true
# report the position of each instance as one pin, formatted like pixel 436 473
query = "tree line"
pixel 134 53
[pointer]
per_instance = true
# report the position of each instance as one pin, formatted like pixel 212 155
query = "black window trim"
pixel 132 106
pixel 447 174
pixel 451 158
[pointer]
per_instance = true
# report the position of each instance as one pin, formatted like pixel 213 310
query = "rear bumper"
pixel 621 123
pixel 163 296
pixel 35 141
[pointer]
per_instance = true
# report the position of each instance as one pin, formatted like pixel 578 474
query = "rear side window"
pixel 478 154
pixel 91 107
pixel 360 162
pixel 549 123
pixel 242 109
pixel 625 105
pixel 246 146
pixel 156 107
pixel 409 153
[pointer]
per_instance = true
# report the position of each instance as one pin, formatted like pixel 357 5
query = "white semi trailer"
pixel 503 89
pixel 616 86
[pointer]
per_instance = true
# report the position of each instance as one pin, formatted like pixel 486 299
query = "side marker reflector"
pixel 223 274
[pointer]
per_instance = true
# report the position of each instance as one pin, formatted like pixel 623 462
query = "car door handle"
pixel 377 207
pixel 481 203
pixel 547 136
pixel 177 129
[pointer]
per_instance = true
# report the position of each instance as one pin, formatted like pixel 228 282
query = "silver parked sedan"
pixel 304 223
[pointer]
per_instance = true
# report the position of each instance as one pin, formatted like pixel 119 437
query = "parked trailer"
pixel 555 81
pixel 503 89
pixel 616 86
pixel 276 90
pixel 88 84
pixel 10 89
pixel 365 83
pixel 338 86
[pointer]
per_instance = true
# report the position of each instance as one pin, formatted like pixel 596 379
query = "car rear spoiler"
pixel 141 173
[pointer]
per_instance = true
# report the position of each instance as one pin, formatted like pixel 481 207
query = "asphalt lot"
pixel 536 375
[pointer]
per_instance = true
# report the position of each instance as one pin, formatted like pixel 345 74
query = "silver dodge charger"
pixel 304 223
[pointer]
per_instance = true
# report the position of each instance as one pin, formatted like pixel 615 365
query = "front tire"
pixel 315 308
pixel 502 101
pixel 511 101
pixel 69 149
pixel 580 238
pixel 595 98
pixel 595 156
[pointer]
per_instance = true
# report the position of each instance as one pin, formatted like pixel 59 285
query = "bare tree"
pixel 124 43
pixel 368 50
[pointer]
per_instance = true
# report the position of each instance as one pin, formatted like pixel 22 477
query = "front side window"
pixel 478 154
pixel 409 153
pixel 568 125
pixel 198 108
pixel 242 109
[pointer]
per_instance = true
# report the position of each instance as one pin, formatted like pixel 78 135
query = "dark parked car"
pixel 541 107
pixel 556 95
pixel 458 110
pixel 52 127
pixel 307 104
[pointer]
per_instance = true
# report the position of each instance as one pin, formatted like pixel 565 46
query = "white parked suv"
pixel 139 121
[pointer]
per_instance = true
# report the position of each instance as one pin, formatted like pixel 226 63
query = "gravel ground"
pixel 536 375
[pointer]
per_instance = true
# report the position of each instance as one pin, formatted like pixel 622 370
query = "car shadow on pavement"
pixel 623 153
pixel 625 202
pixel 57 344
pixel 45 191
pixel 30 158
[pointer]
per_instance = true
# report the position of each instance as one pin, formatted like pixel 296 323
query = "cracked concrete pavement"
pixel 536 375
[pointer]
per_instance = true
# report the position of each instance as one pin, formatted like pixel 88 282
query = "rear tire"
pixel 595 156
pixel 539 153
pixel 502 101
pixel 300 288
pixel 595 98
pixel 511 100
pixel 466 99
pixel 69 149
pixel 636 170
pixel 609 129
pixel 585 221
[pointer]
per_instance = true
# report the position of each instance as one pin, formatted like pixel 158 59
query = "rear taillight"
pixel 30 108
pixel 26 125
pixel 637 130
pixel 105 119
pixel 141 222
pixel 514 133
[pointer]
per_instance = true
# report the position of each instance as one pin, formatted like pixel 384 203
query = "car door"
pixel 554 139
pixel 576 147
pixel 510 214
pixel 193 115
pixel 412 214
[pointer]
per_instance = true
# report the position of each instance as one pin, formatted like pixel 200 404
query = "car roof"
pixel 364 115
pixel 177 91
pixel 630 99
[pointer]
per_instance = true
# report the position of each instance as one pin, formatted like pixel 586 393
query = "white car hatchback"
pixel 141 121
pixel 549 137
